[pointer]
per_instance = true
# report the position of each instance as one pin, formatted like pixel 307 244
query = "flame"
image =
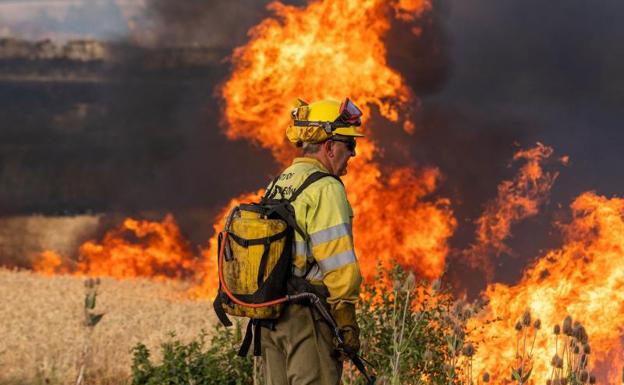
pixel 584 278
pixel 516 200
pixel 331 50
pixel 49 263
pixel 408 230
pixel 134 249
pixel 321 51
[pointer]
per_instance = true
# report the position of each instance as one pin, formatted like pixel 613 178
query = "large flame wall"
pixel 333 50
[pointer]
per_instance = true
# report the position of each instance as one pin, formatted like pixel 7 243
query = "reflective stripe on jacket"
pixel 324 213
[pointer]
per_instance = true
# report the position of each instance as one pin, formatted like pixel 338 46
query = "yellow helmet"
pixel 319 121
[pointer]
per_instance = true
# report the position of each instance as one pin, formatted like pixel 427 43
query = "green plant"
pixel 195 362
pixel 413 334
pixel 571 358
pixel 91 318
pixel 523 365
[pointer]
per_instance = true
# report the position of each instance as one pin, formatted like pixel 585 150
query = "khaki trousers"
pixel 299 350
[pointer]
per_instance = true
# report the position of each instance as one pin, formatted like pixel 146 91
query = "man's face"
pixel 343 148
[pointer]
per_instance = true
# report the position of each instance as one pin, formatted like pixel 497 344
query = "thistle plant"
pixel 525 343
pixel 572 352
pixel 400 310
pixel 91 318
pixel 468 351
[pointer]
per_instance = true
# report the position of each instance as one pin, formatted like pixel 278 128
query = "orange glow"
pixel 516 200
pixel 49 263
pixel 584 279
pixel 328 49
pixel 134 249
pixel 332 50
pixel 410 9
pixel 407 229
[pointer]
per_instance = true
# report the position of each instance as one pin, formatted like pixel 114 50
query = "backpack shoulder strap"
pixel 267 193
pixel 309 180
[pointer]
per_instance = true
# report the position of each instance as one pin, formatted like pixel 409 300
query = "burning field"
pixel 331 49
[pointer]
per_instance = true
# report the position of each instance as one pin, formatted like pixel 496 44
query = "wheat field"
pixel 42 332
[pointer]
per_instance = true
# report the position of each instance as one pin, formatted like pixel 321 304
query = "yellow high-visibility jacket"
pixel 323 212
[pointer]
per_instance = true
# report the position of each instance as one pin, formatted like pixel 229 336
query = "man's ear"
pixel 329 148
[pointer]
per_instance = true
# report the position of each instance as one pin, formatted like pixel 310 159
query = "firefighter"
pixel 299 348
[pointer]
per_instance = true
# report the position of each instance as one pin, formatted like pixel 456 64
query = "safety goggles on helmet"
pixel 349 115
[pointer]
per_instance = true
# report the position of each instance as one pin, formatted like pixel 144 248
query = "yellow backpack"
pixel 255 259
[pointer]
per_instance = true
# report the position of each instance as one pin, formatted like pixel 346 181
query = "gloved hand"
pixel 349 331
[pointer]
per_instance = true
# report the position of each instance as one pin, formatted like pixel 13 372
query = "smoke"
pixel 538 72
pixel 195 22
pixel 137 132
pixel 495 76
pixel 564 53
pixel 62 20
pixel 23 237
pixel 141 133
pixel 420 49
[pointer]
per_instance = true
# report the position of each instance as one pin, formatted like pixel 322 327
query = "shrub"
pixel 413 334
pixel 195 363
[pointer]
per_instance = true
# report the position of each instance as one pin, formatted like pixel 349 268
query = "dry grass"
pixel 41 333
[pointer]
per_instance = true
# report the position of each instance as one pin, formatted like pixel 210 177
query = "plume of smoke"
pixel 62 20
pixel 23 237
pixel 421 55
pixel 218 23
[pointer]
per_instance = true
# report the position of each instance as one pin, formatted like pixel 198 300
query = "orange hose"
pixel 227 290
